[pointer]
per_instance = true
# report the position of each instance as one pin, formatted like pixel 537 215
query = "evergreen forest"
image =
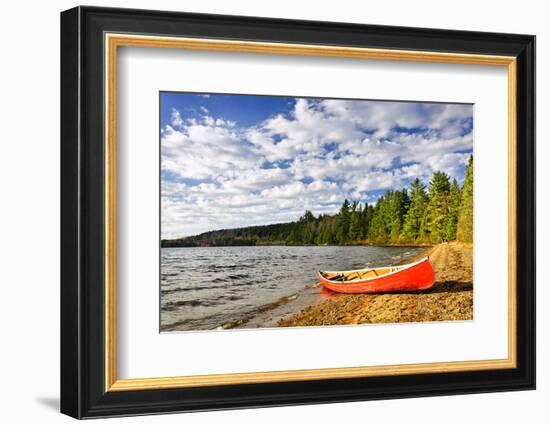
pixel 441 211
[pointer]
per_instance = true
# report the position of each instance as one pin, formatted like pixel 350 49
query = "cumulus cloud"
pixel 219 174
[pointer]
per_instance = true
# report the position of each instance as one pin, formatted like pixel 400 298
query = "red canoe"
pixel 408 277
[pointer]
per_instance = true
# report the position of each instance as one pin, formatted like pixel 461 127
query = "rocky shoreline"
pixel 451 297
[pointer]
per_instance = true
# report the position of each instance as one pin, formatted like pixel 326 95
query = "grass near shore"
pixel 451 297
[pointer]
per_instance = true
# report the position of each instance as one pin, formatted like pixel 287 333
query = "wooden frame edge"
pixel 306 375
pixel 110 213
pixel 114 40
pixel 512 212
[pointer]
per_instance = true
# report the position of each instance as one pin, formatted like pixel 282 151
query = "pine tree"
pixel 331 231
pixel 398 203
pixel 437 208
pixel 378 227
pixel 293 236
pixel 355 222
pixel 307 217
pixel 465 226
pixel 452 214
pixel 320 236
pixel 343 222
pixel 415 214
pixel 365 220
pixel 308 236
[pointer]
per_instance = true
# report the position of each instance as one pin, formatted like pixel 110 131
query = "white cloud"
pixel 219 175
pixel 177 121
pixel 206 150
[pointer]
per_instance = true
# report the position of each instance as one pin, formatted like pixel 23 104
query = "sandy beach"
pixel 451 297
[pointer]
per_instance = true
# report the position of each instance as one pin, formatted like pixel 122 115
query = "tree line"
pixel 440 212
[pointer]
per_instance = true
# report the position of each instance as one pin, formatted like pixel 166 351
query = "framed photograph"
pixel 261 212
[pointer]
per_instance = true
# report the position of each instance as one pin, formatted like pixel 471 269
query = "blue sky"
pixel 240 160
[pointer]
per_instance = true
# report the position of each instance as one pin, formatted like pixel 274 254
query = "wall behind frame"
pixel 29 217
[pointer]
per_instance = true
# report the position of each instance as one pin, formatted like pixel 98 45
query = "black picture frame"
pixel 83 392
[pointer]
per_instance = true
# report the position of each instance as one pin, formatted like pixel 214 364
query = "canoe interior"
pixel 355 275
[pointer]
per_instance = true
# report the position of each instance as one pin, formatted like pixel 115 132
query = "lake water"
pixel 212 287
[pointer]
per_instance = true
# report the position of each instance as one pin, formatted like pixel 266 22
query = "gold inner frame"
pixel 113 41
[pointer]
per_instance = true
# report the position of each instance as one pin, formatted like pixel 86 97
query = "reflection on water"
pixel 205 288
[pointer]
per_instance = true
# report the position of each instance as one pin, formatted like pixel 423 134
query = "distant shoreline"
pixel 397 245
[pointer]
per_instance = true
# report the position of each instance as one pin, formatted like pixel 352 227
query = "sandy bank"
pixel 451 297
